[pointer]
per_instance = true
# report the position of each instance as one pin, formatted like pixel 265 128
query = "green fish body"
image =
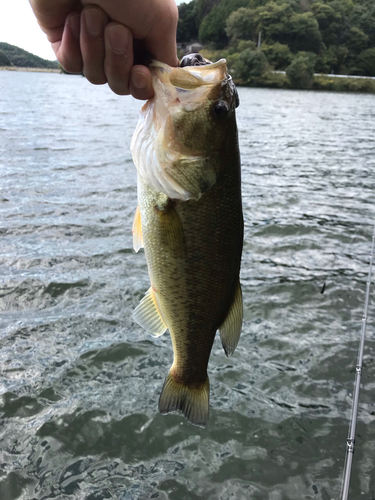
pixel 189 220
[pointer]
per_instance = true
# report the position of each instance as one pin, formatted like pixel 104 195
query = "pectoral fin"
pixel 137 231
pixel 148 316
pixel 170 228
pixel 195 175
pixel 230 330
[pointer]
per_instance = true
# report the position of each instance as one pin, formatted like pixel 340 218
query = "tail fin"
pixel 192 401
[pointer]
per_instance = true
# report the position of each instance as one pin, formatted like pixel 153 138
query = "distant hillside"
pixel 337 36
pixel 10 55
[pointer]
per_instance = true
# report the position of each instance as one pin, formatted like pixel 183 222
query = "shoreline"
pixel 330 83
pixel 34 70
pixel 275 79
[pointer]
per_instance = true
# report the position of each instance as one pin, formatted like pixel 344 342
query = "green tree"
pixel 301 72
pixel 278 23
pixel 245 44
pixel 303 33
pixel 251 64
pixel 366 62
pixel 324 14
pixel 326 61
pixel 278 55
pixel 272 20
pixel 188 27
pixel 334 59
pixel 363 17
pixel 204 7
pixel 212 28
pixel 358 40
pixel 241 24
pixel 342 54
pixel 333 24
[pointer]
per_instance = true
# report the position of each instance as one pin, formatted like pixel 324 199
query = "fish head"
pixel 194 103
pixel 184 127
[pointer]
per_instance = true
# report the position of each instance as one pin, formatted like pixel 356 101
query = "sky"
pixel 18 26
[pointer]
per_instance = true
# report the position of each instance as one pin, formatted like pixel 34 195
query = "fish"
pixel 189 221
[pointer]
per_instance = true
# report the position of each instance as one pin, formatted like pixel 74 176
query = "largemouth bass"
pixel 189 220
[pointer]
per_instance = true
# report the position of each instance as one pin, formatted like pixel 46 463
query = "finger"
pixel 141 82
pixel 68 51
pixel 160 42
pixel 93 22
pixel 51 16
pixel 118 57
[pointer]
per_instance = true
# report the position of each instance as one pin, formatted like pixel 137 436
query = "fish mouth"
pixel 193 81
pixel 198 60
pixel 191 77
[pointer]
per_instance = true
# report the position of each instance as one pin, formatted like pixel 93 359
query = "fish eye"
pixel 220 109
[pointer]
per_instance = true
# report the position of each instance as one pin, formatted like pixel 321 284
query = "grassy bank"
pixel 342 84
pixel 35 70
pixel 321 82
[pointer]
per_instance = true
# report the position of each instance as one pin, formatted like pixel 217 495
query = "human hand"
pixel 104 39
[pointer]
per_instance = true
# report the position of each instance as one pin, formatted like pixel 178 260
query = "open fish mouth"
pixel 193 81
pixel 198 60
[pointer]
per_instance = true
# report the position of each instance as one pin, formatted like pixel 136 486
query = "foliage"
pixel 251 64
pixel 278 55
pixel 301 72
pixel 245 44
pixel 366 62
pixel 321 82
pixel 337 84
pixel 358 40
pixel 212 28
pixel 4 61
pixel 302 33
pixel 339 32
pixel 278 24
pixel 188 27
pixel 214 55
pixel 241 24
pixel 22 58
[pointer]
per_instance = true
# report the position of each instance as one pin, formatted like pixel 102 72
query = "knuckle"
pixel 118 88
pixel 71 66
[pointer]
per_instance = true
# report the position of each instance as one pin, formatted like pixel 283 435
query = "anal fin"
pixel 230 330
pixel 147 315
pixel 137 230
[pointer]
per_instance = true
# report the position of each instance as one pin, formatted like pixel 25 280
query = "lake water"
pixel 80 380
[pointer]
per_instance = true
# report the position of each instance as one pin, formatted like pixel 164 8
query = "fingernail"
pixel 119 38
pixel 139 80
pixel 75 24
pixel 94 21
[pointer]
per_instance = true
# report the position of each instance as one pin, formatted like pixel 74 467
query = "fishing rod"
pixel 358 372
